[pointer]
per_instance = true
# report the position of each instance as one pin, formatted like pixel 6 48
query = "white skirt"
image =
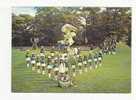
pixel 52 54
pixel 38 64
pixel 33 62
pixel 95 59
pixel 90 60
pixel 77 55
pixel 73 66
pixel 43 65
pixel 99 58
pixel 79 64
pixel 28 59
pixel 84 62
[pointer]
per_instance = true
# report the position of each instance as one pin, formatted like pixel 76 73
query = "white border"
pixel 73 3
pixel 5 63
pixel 133 53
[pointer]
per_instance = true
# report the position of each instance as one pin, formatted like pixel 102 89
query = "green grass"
pixel 114 76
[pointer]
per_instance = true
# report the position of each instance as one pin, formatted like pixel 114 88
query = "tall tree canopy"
pixel 93 24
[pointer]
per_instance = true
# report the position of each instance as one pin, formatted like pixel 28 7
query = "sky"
pixel 24 10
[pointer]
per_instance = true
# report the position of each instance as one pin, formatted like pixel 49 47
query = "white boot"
pixel 55 77
pixel 85 69
pixel 96 66
pixel 38 71
pixel 80 71
pixel 27 65
pixel 114 53
pixel 74 74
pixel 33 68
pixel 49 75
pixel 43 72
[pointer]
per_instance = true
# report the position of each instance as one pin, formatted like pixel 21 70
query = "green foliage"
pixel 46 25
pixel 20 32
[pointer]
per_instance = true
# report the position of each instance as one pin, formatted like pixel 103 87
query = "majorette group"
pixel 62 66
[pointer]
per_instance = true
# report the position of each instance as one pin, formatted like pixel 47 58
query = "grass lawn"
pixel 114 76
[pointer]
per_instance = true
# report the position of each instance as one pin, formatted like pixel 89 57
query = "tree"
pixel 20 33
pixel 93 25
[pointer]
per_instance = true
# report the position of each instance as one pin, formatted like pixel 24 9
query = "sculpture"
pixel 69 33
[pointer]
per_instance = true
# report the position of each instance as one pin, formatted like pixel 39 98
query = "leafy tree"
pixel 20 33
pixel 94 25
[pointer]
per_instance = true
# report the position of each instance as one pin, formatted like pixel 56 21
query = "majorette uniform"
pixel 90 61
pixel 38 64
pixel 33 61
pixel 28 59
pixel 43 65
pixel 56 68
pixel 49 66
pixel 85 63
pixel 95 60
pixel 80 64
